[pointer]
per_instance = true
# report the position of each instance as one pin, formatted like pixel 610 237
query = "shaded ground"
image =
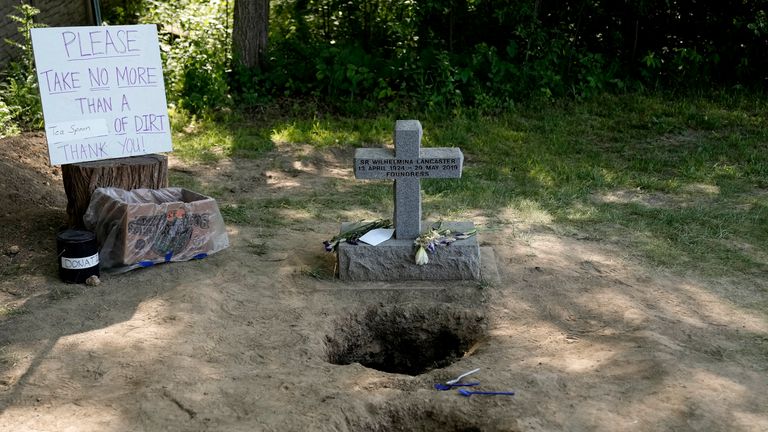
pixel 589 337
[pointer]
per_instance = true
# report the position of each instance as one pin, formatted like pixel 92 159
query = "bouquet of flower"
pixel 430 240
pixel 353 234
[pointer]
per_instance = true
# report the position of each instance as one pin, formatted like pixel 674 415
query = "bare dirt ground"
pixel 589 337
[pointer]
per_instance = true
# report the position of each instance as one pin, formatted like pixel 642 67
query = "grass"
pixel 321 133
pixel 208 140
pixel 10 269
pixel 11 311
pixel 258 249
pixel 326 203
pixel 682 182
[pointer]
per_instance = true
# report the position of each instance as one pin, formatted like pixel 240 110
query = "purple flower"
pixel 328 246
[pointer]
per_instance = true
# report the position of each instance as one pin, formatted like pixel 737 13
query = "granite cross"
pixel 407 167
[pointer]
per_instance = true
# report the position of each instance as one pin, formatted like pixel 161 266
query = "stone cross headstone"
pixel 407 166
pixel 394 259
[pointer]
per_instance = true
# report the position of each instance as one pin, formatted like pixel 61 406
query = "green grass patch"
pixel 11 269
pixel 258 249
pixel 331 132
pixel 210 140
pixel 680 182
pixel 328 203
pixel 11 311
pixel 184 180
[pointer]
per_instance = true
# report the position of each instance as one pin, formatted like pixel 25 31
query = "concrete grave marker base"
pixel 393 260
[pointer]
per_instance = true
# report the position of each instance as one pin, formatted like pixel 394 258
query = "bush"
pixel 444 54
pixel 195 44
pixel 19 88
pixel 7 125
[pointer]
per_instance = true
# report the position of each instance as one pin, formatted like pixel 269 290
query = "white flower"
pixel 421 256
pixel 429 241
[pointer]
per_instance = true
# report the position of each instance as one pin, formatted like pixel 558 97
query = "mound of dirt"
pixel 27 179
pixel 33 208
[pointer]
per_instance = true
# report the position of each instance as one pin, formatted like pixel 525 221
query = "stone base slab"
pixel 394 260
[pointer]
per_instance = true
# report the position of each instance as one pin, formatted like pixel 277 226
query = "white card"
pixel 76 129
pixel 378 235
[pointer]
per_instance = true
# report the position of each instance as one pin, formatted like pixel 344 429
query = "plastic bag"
pixel 143 227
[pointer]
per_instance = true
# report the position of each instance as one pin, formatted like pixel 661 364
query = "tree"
pixel 249 32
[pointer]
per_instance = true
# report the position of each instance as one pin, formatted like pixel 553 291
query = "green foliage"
pixel 358 56
pixel 7 125
pixel 194 39
pixel 427 54
pixel 127 12
pixel 19 88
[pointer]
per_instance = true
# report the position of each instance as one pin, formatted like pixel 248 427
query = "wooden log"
pixel 81 179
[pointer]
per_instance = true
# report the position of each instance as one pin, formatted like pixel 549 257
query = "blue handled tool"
pixel 468 393
pixel 441 386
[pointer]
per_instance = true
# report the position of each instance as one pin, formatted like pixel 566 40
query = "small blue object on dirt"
pixel 468 393
pixel 442 386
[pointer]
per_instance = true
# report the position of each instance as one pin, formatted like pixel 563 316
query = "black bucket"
pixel 78 254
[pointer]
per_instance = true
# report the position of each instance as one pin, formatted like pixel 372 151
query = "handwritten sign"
pixel 102 91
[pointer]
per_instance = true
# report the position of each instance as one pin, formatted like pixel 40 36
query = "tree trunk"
pixel 81 179
pixel 249 32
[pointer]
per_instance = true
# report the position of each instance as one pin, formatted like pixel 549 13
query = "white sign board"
pixel 102 91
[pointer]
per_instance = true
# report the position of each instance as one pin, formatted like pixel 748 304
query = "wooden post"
pixel 81 179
